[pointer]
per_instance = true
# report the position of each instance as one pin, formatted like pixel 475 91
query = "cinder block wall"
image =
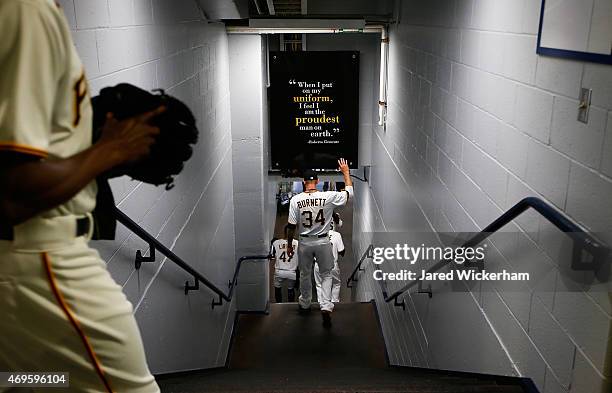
pixel 166 44
pixel 249 152
pixel 478 121
pixel 369 59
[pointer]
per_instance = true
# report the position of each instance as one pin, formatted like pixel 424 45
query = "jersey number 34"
pixel 307 222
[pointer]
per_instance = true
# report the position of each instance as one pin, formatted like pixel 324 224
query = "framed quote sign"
pixel 576 29
pixel 314 109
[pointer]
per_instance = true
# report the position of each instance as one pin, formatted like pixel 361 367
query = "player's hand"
pixel 131 139
pixel 343 166
pixel 290 251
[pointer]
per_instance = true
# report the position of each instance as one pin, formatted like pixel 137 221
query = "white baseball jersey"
pixel 333 224
pixel 65 293
pixel 284 261
pixel 335 238
pixel 45 107
pixel 313 210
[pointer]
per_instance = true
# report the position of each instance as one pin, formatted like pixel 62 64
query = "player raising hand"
pixel 310 214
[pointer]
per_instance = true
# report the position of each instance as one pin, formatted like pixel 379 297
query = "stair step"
pixel 271 341
pixel 398 389
pixel 328 381
pixel 285 352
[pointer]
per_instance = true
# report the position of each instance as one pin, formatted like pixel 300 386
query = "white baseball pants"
pixel 62 311
pixel 336 283
pixel 321 249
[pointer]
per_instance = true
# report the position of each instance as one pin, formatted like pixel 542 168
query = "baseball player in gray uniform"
pixel 61 310
pixel 312 211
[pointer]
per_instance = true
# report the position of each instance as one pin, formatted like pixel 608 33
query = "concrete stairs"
pixel 288 352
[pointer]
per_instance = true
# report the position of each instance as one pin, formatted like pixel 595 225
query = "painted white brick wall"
pixel 369 57
pixel 477 121
pixel 249 157
pixel 165 44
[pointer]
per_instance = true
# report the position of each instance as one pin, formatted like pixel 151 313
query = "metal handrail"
pixel 358 267
pixel 582 240
pixel 155 244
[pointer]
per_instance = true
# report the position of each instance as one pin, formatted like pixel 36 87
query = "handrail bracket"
pixel 194 287
pixel 593 260
pixel 140 258
pixel 427 291
pixel 353 277
pixel 401 304
pixel 217 302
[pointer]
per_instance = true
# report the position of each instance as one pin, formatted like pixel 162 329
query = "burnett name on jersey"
pixel 311 202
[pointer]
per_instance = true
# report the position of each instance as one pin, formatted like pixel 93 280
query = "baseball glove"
pixel 177 127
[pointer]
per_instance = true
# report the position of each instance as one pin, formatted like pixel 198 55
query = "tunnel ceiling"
pixel 237 12
pixel 286 7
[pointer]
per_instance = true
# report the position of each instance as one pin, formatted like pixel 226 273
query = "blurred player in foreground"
pixel 61 309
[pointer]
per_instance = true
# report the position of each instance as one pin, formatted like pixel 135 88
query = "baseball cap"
pixel 309 174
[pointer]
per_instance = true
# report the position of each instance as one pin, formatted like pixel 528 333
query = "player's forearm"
pixel 290 234
pixel 348 182
pixel 32 187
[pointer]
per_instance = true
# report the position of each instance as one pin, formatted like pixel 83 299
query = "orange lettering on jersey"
pixel 80 93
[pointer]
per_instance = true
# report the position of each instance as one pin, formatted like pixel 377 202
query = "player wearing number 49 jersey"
pixel 284 269
pixel 310 214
